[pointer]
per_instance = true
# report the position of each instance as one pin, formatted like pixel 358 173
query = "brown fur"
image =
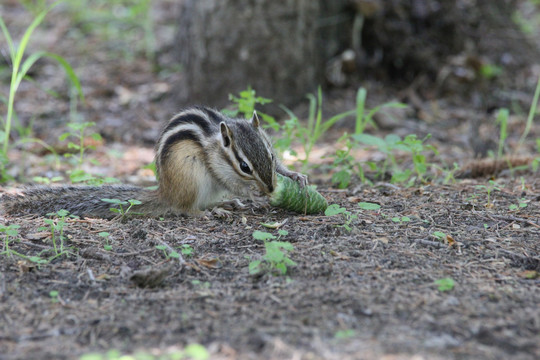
pixel 178 182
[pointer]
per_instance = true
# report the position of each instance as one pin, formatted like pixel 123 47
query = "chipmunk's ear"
pixel 255 120
pixel 226 134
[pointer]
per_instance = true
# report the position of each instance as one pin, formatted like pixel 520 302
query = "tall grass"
pixel 20 68
pixel 530 117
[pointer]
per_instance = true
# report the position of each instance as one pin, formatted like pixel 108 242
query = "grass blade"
pixel 360 107
pixel 532 112
pixel 69 72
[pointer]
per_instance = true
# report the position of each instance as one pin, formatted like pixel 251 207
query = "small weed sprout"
pixel 344 334
pixel 123 213
pixel 349 217
pixel 439 235
pixel 47 181
pixel 77 131
pixel 445 284
pixel 191 351
pixel 520 205
pixel 201 284
pixel 492 185
pixel 416 147
pixel 54 295
pixel 401 219
pixel 11 232
pixel 276 258
pixel 105 235
pixel 244 105
pixel 56 227
pixel 186 250
pixel 347 164
pixel 168 255
pixel 449 174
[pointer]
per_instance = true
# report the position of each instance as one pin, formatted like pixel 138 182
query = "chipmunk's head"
pixel 250 154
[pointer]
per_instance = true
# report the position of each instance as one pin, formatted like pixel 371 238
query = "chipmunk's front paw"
pixel 218 212
pixel 299 178
pixel 232 205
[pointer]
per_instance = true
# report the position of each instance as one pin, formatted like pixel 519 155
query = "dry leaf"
pixel 339 256
pixel 39 236
pixel 211 263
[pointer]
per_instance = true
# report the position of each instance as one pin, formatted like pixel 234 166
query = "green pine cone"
pixel 290 196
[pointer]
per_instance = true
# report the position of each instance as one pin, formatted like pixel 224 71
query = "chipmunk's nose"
pixel 269 186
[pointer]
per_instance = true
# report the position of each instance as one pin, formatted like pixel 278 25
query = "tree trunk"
pixel 225 46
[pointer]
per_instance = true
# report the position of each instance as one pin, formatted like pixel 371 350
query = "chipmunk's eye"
pixel 245 167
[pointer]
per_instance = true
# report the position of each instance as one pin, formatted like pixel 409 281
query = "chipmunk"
pixel 201 157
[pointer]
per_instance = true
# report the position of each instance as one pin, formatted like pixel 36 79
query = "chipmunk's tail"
pixel 84 201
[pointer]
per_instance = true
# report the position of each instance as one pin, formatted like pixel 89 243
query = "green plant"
pixel 347 164
pixel 34 6
pixel 439 235
pixel 490 71
pixel 530 117
pixel 387 145
pixel 47 181
pixel 401 219
pixel 416 147
pixel 276 258
pixel 343 160
pixel 363 117
pixel 449 174
pixel 344 334
pixel 244 105
pixel 445 284
pixel 191 351
pixel 54 295
pixel 186 250
pixel 308 135
pixel 335 209
pixel 123 213
pixel 492 185
pixel 11 232
pixel 170 254
pixel 502 120
pixel 289 195
pixel 77 131
pixel 56 227
pixel 105 235
pixel 201 284
pixel 535 165
pixel 369 206
pixel 520 205
pixel 19 71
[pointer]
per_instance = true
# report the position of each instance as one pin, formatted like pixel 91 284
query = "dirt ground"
pixel 374 285
pixel 367 293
